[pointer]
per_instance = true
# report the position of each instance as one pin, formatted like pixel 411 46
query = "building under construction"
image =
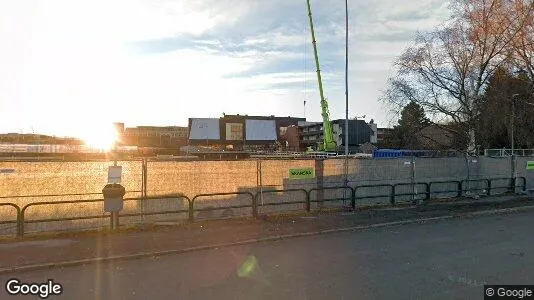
pixel 241 132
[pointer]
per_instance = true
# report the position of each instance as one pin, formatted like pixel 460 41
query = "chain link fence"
pixel 48 182
pixel 174 182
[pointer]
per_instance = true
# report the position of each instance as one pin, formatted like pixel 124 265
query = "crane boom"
pixel 329 143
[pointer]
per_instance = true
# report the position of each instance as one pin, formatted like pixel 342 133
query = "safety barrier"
pixel 462 187
pixel 192 209
pixel 352 197
pixel 306 200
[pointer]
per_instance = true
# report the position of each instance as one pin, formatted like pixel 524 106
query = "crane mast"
pixel 329 143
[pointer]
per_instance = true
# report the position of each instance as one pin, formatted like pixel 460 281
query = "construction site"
pixel 230 137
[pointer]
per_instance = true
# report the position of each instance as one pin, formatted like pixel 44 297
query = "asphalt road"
pixel 440 260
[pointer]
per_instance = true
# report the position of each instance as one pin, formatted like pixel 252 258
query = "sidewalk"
pixel 188 237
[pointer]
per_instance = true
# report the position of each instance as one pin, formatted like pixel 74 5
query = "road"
pixel 450 259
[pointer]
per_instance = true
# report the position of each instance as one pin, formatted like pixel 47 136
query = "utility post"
pixel 346 169
pixel 412 177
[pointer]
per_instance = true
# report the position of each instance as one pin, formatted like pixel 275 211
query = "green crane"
pixel 329 144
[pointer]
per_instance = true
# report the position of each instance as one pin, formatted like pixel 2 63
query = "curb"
pixel 140 255
pixel 490 212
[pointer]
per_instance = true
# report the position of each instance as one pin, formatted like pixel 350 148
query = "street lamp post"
pixel 346 78
pixel 346 165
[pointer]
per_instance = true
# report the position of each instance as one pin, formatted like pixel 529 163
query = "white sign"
pixel 260 130
pixel 114 174
pixel 204 129
pixel 7 171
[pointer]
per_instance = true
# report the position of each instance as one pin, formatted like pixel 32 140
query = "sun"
pixel 102 138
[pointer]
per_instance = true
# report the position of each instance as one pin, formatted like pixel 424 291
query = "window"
pixel 283 131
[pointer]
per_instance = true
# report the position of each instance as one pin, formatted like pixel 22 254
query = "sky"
pixel 68 67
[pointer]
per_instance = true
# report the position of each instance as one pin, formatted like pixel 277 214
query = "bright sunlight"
pixel 100 137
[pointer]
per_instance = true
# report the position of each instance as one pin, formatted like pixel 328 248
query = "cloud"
pixel 160 62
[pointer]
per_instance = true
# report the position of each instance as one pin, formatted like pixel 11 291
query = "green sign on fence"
pixel 301 173
pixel 530 165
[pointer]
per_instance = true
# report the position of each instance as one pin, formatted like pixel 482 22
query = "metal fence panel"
pixel 77 178
pixel 170 180
pixel 500 186
pixel 272 201
pixel 225 205
pixel 373 194
pixel 200 177
pixel 440 169
pixel 495 167
pixel 330 197
pixel 407 192
pixel 445 189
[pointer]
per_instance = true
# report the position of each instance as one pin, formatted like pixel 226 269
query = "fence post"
pixel 319 172
pixel 308 201
pixel 144 190
pixel 260 174
pixel 20 222
pixel 460 189
pixel 512 167
pixel 353 198
pixel 489 187
pixel 114 220
pixel 144 170
pixel 427 191
pixel 392 197
pixel 412 171
pixel 255 206
pixel 468 180
pixel 191 210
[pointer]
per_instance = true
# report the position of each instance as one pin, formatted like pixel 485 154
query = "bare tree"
pixel 522 47
pixel 446 71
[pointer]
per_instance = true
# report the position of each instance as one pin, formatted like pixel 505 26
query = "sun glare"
pixel 103 138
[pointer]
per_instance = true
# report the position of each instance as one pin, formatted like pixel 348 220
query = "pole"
pixel 412 175
pixel 512 124
pixel 346 169
pixel 357 135
pixel 346 78
pixel 261 184
pixel 144 181
pixel 114 215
